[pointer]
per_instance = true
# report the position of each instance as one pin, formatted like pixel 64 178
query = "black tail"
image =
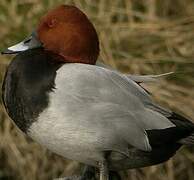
pixel 181 133
pixel 186 126
pixel 188 140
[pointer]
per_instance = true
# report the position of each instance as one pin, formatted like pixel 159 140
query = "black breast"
pixel 28 80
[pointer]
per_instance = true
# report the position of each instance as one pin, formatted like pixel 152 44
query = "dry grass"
pixel 137 36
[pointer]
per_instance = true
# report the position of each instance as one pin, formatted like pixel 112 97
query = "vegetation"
pixel 137 36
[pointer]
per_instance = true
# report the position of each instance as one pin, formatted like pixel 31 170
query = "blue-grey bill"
pixel 30 42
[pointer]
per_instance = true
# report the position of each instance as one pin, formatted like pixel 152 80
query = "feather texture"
pixel 106 108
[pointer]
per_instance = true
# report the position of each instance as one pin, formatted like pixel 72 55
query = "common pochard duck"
pixel 56 94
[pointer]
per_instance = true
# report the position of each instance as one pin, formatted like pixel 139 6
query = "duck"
pixel 57 94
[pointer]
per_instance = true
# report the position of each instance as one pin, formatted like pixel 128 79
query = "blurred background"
pixel 138 37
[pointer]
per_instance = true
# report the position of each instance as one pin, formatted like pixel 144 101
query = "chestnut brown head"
pixel 67 32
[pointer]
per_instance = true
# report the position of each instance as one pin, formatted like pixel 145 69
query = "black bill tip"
pixel 7 51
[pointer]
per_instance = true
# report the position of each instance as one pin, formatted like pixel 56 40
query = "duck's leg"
pixel 104 172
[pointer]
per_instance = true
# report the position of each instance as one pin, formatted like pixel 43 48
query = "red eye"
pixel 52 23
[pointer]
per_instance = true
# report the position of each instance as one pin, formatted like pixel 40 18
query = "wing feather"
pixel 110 100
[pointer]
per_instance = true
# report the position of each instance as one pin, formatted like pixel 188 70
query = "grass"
pixel 137 36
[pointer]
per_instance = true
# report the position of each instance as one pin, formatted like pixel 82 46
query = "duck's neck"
pixel 29 79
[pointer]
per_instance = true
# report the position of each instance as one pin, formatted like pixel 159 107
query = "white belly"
pixel 71 142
